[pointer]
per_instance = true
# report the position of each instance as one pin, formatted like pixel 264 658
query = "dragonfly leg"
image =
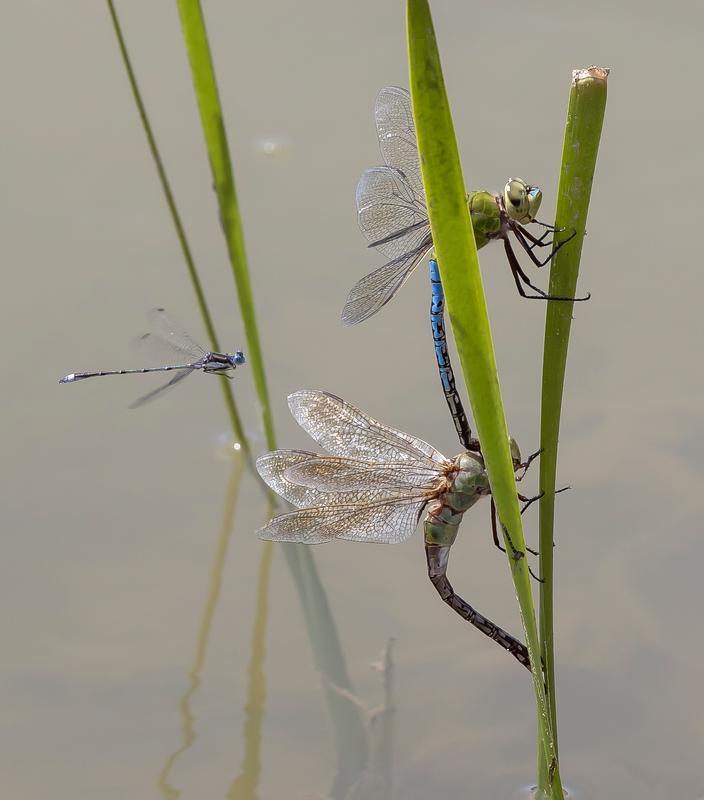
pixel 523 236
pixel 494 530
pixel 536 241
pixel 515 552
pixel 529 500
pixel 524 466
pixel 521 278
pixel 527 503
pixel 540 241
pixel 548 226
pixel 437 558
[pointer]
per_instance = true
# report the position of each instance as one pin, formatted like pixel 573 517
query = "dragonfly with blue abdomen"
pixel 393 216
pixel 442 356
pixel 168 336
pixel 373 487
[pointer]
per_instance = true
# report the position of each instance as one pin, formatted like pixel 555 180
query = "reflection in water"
pixel 350 740
pixel 187 719
pixel 531 793
pixel 375 783
pixel 349 734
pixel 244 786
pixel 374 779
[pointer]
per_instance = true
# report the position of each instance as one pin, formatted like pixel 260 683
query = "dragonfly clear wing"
pixel 387 207
pixel 344 430
pixel 167 338
pixel 334 473
pixel 384 522
pixel 161 390
pixel 374 290
pixel 309 479
pixel 397 134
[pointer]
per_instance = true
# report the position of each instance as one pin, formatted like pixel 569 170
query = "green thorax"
pixel 466 483
pixel 485 213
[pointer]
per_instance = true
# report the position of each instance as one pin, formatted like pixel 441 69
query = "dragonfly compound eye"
pixel 237 359
pixel 535 197
pixel 521 200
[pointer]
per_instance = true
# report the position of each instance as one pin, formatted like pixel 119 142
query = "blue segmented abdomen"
pixel 447 377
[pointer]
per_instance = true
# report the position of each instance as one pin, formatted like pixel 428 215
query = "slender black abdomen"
pixel 437 557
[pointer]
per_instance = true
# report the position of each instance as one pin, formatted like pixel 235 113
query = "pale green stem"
pixel 585 115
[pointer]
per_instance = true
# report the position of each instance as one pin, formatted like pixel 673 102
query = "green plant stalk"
pixel 212 121
pixel 230 404
pixel 349 731
pixel 585 115
pixel 453 239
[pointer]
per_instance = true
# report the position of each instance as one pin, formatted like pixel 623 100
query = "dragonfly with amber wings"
pixel 373 486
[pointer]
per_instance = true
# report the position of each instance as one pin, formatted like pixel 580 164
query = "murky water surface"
pixel 150 647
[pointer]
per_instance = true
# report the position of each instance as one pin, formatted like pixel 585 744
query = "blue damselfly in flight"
pixel 167 336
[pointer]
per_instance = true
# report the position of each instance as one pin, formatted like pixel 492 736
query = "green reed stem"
pixel 180 230
pixel 453 239
pixel 213 123
pixel 348 727
pixel 349 732
pixel 585 116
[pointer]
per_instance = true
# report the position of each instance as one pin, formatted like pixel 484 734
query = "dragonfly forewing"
pixel 391 208
pixel 397 133
pixel 344 430
pixel 334 474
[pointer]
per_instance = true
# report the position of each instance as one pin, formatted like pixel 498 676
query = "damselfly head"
pixel 237 358
pixel 522 201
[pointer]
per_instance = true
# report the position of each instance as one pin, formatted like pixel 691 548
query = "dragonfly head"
pixel 237 358
pixel 521 201
pixel 515 452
